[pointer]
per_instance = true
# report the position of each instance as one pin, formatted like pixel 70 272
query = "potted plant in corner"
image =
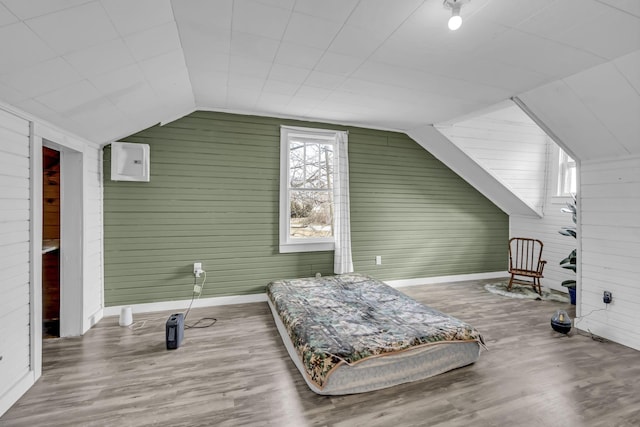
pixel 570 261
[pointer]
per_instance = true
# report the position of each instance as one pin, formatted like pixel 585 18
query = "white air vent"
pixel 129 162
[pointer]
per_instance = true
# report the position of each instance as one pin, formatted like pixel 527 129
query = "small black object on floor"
pixel 561 322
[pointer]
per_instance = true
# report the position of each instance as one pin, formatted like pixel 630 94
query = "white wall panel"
pixel 14 253
pixel 20 238
pixel 556 246
pixel 93 285
pixel 610 230
pixel 508 145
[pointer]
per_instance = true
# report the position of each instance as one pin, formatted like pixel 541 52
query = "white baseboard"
pixel 243 299
pixel 184 304
pixel 16 391
pixel 445 279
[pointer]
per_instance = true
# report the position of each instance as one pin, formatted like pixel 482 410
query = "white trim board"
pixel 12 395
pixel 252 298
pixel 446 279
pixel 184 304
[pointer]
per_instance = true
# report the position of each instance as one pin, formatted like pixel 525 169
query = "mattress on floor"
pixel 352 333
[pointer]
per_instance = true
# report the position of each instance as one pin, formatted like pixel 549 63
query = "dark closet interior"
pixel 50 243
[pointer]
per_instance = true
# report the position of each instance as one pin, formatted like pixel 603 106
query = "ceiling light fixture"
pixel 455 5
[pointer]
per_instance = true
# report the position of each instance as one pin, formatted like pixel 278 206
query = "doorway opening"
pixel 50 243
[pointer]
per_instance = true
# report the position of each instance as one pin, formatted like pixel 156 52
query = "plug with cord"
pixel 197 269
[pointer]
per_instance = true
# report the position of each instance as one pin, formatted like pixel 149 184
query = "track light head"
pixel 455 5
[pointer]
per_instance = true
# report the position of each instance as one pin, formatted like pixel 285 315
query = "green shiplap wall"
pixel 214 198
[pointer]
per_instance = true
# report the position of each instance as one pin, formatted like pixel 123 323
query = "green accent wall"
pixel 214 198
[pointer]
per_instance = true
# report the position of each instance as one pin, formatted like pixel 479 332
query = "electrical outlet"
pixel 197 269
pixel 607 297
pixel 378 260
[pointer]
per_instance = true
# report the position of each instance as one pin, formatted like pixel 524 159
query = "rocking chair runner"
pixel 525 259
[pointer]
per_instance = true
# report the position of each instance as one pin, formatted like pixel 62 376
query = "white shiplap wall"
pixel 15 362
pixel 93 260
pixel 510 146
pixel 610 230
pixel 556 246
pixel 20 244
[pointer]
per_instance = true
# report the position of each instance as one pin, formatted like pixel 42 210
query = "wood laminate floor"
pixel 238 373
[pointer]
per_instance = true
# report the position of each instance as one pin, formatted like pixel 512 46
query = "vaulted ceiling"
pixel 107 68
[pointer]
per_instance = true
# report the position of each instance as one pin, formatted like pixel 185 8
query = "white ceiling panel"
pixel 612 102
pixel 214 62
pixel 42 78
pixel 163 65
pixel 75 28
pixel 257 18
pixel 244 66
pixel 298 56
pixel 272 101
pixel 382 15
pixel 538 54
pixel 118 80
pixel 134 16
pixel 285 5
pixel 609 35
pixel 239 81
pixel 43 112
pixel 630 6
pixel 211 88
pixel 135 99
pixel 324 80
pixel 337 63
pixel 101 58
pixel 252 46
pixel 6 17
pixel 311 31
pixel 287 73
pixel 335 10
pixel 279 87
pixel 629 67
pixel 33 8
pixel 313 93
pixel 552 20
pixel 73 98
pixel 241 97
pixel 496 74
pixel 31 49
pixel 10 95
pixel 385 64
pixel 154 41
pixel 204 13
pixel 196 41
pixel 579 130
pixel 357 42
pixel 101 110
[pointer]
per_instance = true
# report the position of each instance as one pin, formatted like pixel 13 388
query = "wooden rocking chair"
pixel 525 259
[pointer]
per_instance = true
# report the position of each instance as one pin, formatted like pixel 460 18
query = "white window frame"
pixel 290 244
pixel 565 165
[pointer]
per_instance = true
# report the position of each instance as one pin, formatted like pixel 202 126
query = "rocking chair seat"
pixel 525 259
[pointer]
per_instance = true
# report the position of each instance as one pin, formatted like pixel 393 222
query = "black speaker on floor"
pixel 174 331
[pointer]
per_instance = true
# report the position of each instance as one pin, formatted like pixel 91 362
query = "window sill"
pixel 288 248
pixel 560 200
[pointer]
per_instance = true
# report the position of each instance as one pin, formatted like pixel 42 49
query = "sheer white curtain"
pixel 342 262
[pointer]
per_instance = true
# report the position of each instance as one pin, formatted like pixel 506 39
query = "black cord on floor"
pixel 197 325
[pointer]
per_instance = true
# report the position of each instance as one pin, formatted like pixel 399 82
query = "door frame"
pixel 71 232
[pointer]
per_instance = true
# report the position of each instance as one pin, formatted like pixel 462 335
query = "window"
pixel 567 172
pixel 307 177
